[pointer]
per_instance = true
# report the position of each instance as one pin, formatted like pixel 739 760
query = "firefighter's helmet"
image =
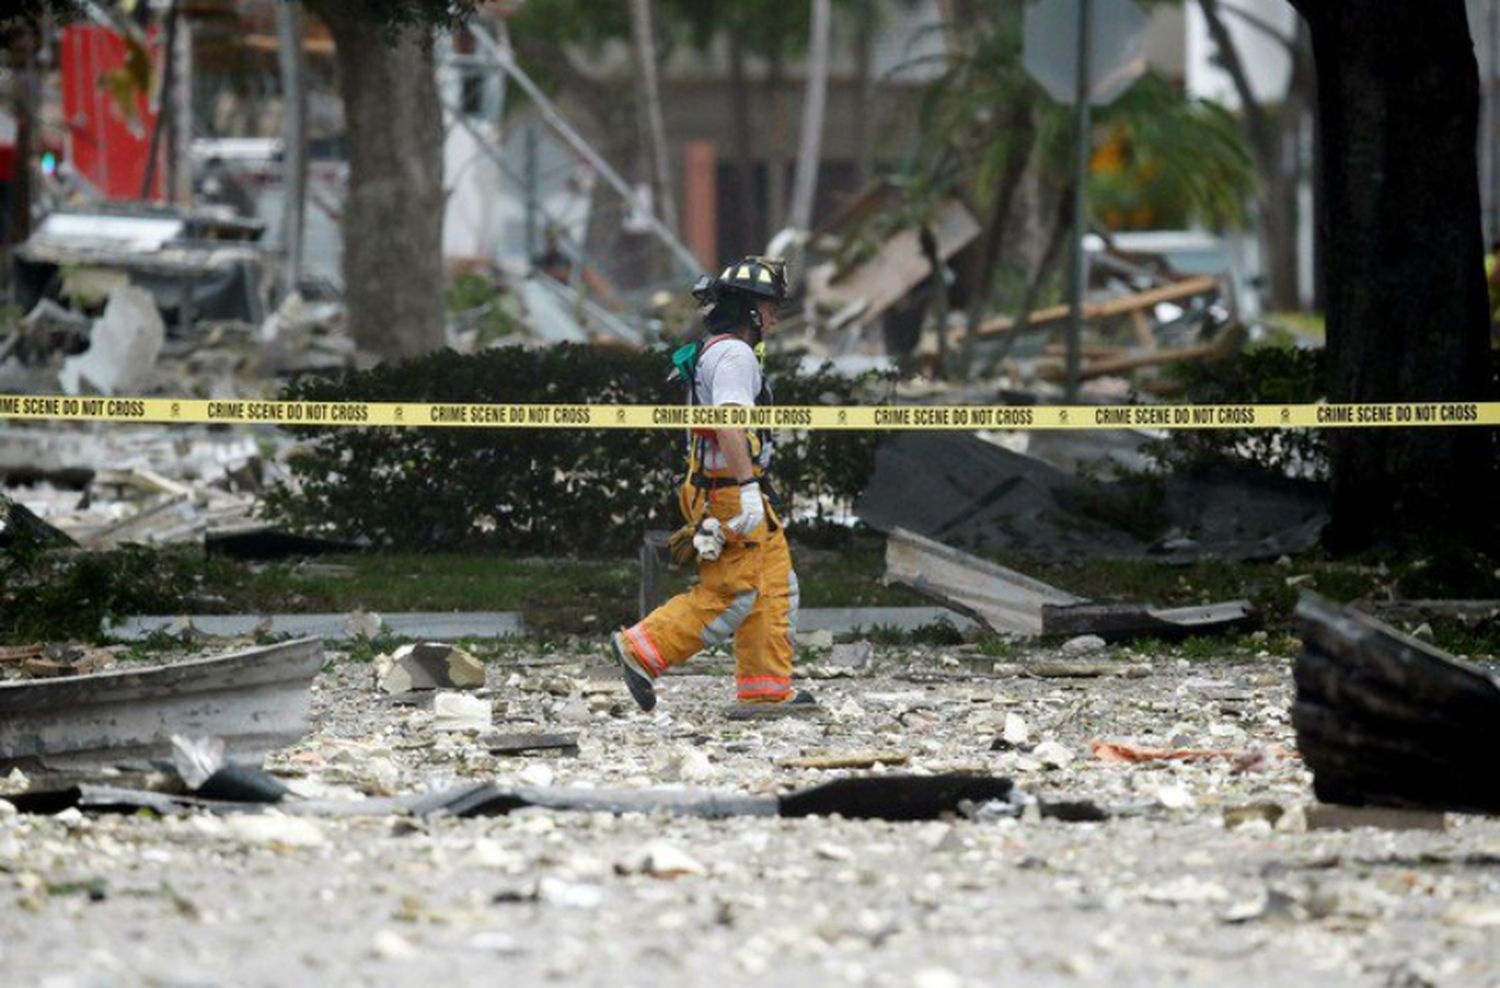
pixel 755 277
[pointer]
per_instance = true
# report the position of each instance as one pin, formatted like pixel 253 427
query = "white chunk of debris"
pixel 123 347
pixel 274 830
pixel 426 666
pixel 460 712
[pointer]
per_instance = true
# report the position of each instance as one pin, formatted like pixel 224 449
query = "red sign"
pixel 108 115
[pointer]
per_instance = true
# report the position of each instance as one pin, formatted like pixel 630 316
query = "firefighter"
pixel 747 589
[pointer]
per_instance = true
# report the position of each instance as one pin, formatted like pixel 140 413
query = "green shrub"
pixel 1270 375
pixel 66 594
pixel 586 492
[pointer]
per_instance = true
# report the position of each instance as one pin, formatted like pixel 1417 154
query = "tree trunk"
pixel 1276 169
pixel 747 219
pixel 815 98
pixel 25 103
pixel 393 217
pixel 1408 319
pixel 643 30
pixel 982 278
pixel 864 64
pixel 293 139
pixel 776 150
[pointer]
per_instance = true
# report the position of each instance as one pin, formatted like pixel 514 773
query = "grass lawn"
pixel 552 594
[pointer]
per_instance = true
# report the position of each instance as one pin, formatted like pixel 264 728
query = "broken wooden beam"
pixel 1385 720
pixel 1042 318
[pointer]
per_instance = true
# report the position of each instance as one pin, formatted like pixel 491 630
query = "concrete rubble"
pixel 108 486
pixel 1141 869
pixel 123 347
pixel 428 666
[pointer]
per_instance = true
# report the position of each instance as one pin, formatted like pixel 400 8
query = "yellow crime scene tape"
pixel 804 417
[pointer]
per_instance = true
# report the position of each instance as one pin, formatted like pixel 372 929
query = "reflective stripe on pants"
pixel 749 593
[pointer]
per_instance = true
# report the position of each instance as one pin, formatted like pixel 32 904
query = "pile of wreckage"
pixel 143 300
pixel 138 300
pixel 100 489
pixel 1154 299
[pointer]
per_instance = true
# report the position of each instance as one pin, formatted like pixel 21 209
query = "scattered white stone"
pixel 7 809
pixel 274 830
pixel 389 945
pixel 363 624
pixel 495 942
pixel 569 895
pixel 1476 915
pixel 460 712
pixel 820 640
pixel 847 711
pixel 573 711
pixel 538 774
pixel 489 853
pixel 662 860
pixel 1175 797
pixel 1188 890
pixel 1293 821
pixel 853 655
pixel 382 774
pixel 689 765
pixel 1016 731
pixel 16 782
pixel 1083 645
pixel 936 977
pixel 1052 754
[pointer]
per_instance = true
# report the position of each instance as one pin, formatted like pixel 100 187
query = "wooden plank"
pixel 1042 318
pixel 897 267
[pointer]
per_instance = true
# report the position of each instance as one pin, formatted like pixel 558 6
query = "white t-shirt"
pixel 728 374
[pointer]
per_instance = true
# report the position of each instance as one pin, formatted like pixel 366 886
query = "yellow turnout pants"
pixel 749 593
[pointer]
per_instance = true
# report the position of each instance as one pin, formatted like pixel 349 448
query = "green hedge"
pixel 1275 375
pixel 585 492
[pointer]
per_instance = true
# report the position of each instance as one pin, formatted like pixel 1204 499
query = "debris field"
pixel 1162 831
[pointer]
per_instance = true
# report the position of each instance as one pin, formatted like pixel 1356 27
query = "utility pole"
pixel 1078 271
pixel 289 33
pixel 180 148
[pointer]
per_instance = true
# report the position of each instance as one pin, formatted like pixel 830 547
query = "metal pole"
pixel 180 148
pixel 293 139
pixel 554 119
pixel 1078 275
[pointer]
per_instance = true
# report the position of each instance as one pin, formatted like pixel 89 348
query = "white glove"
pixel 708 540
pixel 752 510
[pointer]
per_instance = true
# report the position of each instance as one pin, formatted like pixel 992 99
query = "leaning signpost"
pixel 1062 54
